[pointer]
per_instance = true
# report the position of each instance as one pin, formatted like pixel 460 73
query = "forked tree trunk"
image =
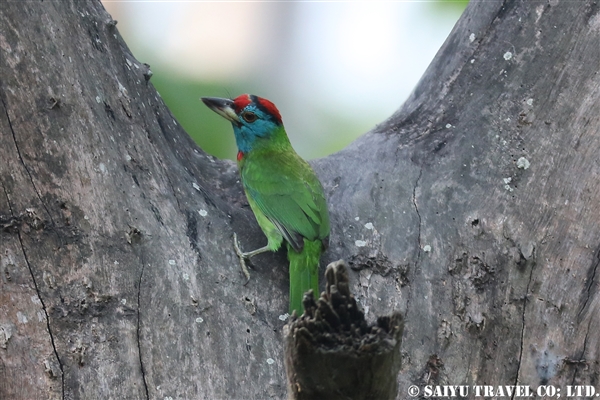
pixel 473 210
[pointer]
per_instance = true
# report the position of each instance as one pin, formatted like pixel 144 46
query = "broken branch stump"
pixel 332 353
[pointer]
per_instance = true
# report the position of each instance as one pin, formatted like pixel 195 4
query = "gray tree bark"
pixel 473 211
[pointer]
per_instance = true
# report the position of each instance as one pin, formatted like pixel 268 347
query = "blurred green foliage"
pixel 182 96
pixel 456 4
pixel 214 135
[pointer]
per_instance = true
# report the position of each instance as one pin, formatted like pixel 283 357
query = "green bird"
pixel 282 189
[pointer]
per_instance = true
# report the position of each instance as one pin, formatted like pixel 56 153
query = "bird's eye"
pixel 249 116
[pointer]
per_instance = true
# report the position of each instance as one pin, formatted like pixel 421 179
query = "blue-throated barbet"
pixel 282 189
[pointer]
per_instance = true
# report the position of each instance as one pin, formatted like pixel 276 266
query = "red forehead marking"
pixel 242 101
pixel 270 107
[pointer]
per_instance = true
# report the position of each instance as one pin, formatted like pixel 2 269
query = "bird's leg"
pixel 246 256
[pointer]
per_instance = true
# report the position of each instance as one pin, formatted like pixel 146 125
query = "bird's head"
pixel 253 118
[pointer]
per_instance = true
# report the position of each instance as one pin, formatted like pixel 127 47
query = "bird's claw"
pixel 242 257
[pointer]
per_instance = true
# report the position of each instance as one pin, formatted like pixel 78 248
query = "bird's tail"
pixel 304 272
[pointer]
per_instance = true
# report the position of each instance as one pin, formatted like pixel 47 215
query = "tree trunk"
pixel 473 211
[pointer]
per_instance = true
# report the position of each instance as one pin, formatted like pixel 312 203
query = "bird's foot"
pixel 242 257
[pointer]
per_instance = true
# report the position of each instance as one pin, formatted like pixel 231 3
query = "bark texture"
pixel 332 353
pixel 473 211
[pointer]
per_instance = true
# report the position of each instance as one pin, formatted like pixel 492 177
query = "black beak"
pixel 223 107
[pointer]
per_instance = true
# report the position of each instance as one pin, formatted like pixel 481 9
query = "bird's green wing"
pixel 287 191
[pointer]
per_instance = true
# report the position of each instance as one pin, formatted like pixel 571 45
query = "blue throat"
pixel 246 134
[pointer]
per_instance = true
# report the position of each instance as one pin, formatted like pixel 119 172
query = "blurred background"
pixel 334 69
